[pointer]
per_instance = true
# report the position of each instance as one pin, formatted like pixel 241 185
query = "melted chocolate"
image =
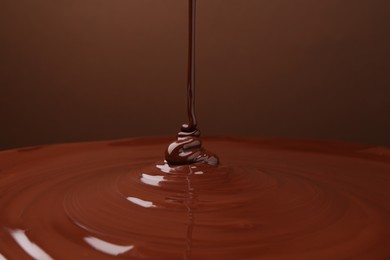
pixel 272 199
pixel 187 148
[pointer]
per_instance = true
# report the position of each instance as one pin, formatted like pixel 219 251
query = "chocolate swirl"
pixel 188 149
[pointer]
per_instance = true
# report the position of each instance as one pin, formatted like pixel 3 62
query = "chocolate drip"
pixel 192 124
pixel 187 148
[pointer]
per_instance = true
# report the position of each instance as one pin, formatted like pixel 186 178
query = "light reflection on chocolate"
pixel 140 202
pixel 29 247
pixel 107 247
pixel 272 199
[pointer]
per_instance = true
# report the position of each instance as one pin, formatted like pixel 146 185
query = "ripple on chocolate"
pixel 268 200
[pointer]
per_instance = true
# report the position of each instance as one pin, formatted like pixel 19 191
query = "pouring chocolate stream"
pixel 187 148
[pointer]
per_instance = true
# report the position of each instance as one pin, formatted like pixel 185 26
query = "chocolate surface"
pixel 269 199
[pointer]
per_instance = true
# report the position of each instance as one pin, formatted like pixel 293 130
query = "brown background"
pixel 74 70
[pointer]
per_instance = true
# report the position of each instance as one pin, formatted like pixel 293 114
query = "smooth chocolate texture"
pixel 270 199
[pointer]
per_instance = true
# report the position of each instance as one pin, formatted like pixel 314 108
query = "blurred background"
pixel 79 70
